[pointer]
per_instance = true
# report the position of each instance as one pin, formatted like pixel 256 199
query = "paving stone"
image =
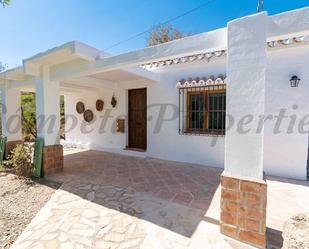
pixel 114 237
pixel 52 244
pixel 89 213
pixel 39 246
pixel 90 196
pixel 84 241
pixel 85 232
pixel 86 187
pixel 105 245
pixel 63 237
pixel 79 246
pixel 23 244
pixel 105 230
pixel 130 244
pixel 104 221
pixel 87 222
pixel 49 236
pixel 96 187
pixel 67 245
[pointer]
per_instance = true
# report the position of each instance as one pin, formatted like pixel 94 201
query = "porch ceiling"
pixel 108 79
pixel 118 76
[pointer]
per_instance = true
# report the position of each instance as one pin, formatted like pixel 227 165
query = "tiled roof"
pixel 205 81
pixel 190 58
pixel 288 41
pixel 210 55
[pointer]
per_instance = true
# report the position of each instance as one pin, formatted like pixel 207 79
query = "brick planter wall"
pixel 243 209
pixel 10 145
pixel 52 159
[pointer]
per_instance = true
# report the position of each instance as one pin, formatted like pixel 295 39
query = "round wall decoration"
pixel 88 116
pixel 99 105
pixel 80 107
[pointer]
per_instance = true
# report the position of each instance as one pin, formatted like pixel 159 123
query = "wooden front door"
pixel 138 118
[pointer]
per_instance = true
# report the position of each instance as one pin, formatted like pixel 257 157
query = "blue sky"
pixel 33 26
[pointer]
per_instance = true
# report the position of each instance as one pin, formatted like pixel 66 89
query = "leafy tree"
pixel 29 115
pixel 164 33
pixel 5 2
pixel 3 67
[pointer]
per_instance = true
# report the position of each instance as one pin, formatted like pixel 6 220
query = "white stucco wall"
pixel 168 144
pixel 88 134
pixel 284 154
pixel 165 144
pixel 246 75
pixel 11 113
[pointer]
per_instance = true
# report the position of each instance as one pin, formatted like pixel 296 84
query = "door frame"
pixel 146 123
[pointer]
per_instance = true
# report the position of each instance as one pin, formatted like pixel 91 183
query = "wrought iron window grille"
pixel 202 110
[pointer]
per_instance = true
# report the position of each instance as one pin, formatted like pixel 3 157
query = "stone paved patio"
pixel 114 201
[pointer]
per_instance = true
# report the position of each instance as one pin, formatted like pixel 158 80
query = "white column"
pixel 11 113
pixel 246 73
pixel 48 108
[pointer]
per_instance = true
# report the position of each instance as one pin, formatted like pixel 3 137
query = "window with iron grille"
pixel 202 110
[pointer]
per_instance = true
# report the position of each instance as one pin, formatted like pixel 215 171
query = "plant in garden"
pixel 20 160
pixel 5 2
pixel 29 116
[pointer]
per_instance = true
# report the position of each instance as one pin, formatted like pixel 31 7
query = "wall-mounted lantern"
pixel 294 81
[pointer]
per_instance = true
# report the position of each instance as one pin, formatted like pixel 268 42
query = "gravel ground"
pixel 20 200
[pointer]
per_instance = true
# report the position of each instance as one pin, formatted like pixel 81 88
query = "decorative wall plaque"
pixel 99 105
pixel 80 107
pixel 114 101
pixel 88 116
pixel 120 125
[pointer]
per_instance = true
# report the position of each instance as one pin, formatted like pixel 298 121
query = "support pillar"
pixel 11 116
pixel 244 190
pixel 48 122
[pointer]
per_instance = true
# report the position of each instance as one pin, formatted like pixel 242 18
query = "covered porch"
pixel 47 75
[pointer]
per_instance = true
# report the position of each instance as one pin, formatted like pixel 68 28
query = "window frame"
pixel 206 92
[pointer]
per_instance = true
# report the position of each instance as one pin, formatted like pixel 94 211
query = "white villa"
pixel 235 98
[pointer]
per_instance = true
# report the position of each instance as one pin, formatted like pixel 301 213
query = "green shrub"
pixel 20 160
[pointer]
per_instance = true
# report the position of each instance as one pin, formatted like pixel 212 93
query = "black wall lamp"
pixel 294 81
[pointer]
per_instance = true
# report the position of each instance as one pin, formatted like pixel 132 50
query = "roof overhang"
pixel 205 42
pixel 111 79
pixel 15 74
pixel 64 53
